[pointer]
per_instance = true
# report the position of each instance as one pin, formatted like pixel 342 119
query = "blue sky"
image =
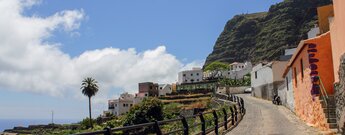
pixel 182 26
pixel 185 31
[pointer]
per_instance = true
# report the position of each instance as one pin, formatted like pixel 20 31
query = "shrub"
pixel 149 110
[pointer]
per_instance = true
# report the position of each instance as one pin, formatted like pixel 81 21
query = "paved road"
pixel 264 118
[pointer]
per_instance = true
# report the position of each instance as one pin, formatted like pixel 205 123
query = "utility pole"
pixel 53 117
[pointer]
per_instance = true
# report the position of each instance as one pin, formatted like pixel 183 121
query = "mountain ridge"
pixel 264 36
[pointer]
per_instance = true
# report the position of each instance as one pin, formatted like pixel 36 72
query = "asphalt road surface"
pixel 264 118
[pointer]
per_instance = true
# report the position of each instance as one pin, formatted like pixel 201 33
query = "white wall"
pixel 264 75
pixel 290 92
pixel 313 32
pixel 122 107
pixel 290 51
pixel 238 74
pixel 164 89
pixel 285 92
pixel 190 76
pixel 122 104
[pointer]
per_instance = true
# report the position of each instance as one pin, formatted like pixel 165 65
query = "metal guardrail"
pixel 228 118
pixel 324 96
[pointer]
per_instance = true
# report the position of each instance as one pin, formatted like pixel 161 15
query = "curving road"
pixel 264 118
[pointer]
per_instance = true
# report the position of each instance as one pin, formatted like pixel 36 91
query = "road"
pixel 264 118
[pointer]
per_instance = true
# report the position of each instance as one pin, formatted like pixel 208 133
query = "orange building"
pixel 337 28
pixel 324 13
pixel 312 58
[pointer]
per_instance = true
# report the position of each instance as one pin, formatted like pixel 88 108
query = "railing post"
pixel 107 131
pixel 225 119
pixel 157 128
pixel 235 109
pixel 185 125
pixel 203 124
pixel 239 103
pixel 215 122
pixel 232 116
pixel 242 102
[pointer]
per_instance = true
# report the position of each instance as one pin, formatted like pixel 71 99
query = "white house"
pixel 286 92
pixel 121 105
pixel 139 97
pixel 236 66
pixel 314 32
pixel 266 78
pixel 190 76
pixel 236 71
pixel 164 89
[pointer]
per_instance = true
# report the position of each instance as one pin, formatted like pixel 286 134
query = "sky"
pixel 48 47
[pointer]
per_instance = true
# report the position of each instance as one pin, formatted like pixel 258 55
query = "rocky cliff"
pixel 265 36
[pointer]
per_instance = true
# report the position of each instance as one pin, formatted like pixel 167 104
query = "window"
pixel 191 74
pixel 131 105
pixel 197 74
pixel 295 74
pixel 302 68
pixel 160 88
pixel 124 105
pixel 145 95
pixel 287 83
pixel 184 74
pixel 150 87
pixel 256 75
pixel 115 105
pixel 197 80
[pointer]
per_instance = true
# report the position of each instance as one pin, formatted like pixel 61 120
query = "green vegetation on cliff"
pixel 264 36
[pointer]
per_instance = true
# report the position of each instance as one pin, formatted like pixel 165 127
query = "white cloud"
pixel 28 63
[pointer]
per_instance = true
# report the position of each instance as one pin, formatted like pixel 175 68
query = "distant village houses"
pixel 121 105
pixel 190 76
pixel 236 70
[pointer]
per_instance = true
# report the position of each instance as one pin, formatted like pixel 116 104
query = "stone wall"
pixel 340 94
pixel 232 90
pixel 266 91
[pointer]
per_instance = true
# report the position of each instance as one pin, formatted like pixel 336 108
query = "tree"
pixel 89 88
pixel 215 68
pixel 149 110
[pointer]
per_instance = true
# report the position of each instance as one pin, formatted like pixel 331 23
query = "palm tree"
pixel 89 88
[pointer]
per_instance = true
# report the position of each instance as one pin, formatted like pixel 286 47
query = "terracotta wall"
pixel 338 34
pixel 307 107
pixel 324 55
